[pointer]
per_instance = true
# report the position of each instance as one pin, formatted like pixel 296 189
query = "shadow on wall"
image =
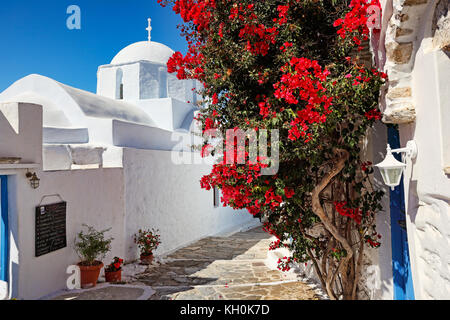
pixel 413 201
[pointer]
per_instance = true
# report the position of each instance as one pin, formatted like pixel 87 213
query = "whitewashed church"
pixel 108 157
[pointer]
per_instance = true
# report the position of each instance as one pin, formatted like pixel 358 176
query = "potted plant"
pixel 113 271
pixel 91 247
pixel 147 241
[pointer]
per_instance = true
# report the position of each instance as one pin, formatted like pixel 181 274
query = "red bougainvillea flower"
pixel 373 114
pixel 262 68
pixel 302 82
pixel 289 193
pixel 353 213
pixel 365 166
pixel 356 21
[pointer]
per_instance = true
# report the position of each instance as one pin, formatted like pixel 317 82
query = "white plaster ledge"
pixel 19 166
pixel 147 293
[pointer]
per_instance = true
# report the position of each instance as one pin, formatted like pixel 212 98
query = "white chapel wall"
pixel 150 86
pixel 163 195
pixel 107 81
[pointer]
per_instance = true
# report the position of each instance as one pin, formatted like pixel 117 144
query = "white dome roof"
pixel 144 50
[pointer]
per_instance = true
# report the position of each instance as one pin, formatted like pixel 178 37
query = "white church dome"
pixel 144 50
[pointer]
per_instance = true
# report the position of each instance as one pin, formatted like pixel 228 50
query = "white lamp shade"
pixel 391 170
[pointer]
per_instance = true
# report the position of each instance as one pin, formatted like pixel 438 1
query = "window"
pixel 216 197
pixel 119 84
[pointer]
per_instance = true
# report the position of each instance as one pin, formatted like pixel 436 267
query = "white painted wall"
pixel 21 131
pixel 94 197
pixel 182 89
pixel 168 113
pixel 161 195
pixel 377 278
pixel 428 187
pixel 150 85
pixel 145 80
pixel 107 84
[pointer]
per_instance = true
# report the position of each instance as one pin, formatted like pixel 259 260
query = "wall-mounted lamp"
pixel 391 169
pixel 34 180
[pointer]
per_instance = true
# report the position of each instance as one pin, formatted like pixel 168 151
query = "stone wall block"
pixel 399 93
pixel 399 53
pixel 399 113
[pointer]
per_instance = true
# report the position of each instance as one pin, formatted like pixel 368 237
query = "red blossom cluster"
pixel 373 241
pixel 259 38
pixel 275 245
pixel 234 183
pixel 188 66
pixel 196 11
pixel 365 166
pixel 303 81
pixel 282 13
pixel 353 213
pixel 115 265
pixel 147 240
pixel 242 13
pixel 356 21
pixel 272 200
pixel 374 114
pixel 284 264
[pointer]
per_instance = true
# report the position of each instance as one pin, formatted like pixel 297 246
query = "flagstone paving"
pixel 230 268
pixel 215 268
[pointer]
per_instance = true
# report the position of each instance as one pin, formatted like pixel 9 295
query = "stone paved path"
pixel 224 268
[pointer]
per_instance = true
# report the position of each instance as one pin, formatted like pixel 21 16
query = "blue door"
pixel 401 267
pixel 4 243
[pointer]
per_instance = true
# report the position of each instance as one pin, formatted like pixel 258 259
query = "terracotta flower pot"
pixel 146 259
pixel 90 274
pixel 113 276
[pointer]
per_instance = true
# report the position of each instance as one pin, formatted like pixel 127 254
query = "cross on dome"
pixel 149 29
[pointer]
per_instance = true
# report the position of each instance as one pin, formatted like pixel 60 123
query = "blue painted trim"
pixel 4 230
pixel 401 266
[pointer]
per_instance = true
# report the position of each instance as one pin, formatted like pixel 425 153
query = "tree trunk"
pixel 320 212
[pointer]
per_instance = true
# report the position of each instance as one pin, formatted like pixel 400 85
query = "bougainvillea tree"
pixel 288 66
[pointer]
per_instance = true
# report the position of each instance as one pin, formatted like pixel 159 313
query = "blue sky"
pixel 34 37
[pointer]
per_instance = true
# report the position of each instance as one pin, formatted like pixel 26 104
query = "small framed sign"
pixel 50 228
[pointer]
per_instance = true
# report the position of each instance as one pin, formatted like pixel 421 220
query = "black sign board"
pixel 50 228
